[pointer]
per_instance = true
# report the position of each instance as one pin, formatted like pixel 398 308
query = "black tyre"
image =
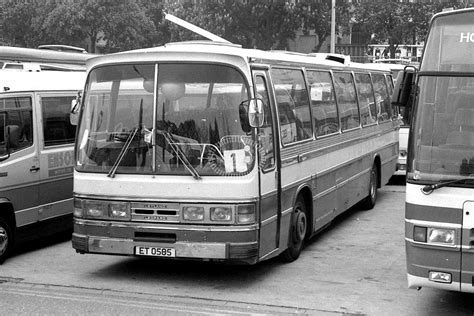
pixel 299 226
pixel 6 240
pixel 369 202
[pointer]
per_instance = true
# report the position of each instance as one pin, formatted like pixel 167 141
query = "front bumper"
pixel 226 243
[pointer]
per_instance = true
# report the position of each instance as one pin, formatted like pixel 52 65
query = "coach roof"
pixel 206 50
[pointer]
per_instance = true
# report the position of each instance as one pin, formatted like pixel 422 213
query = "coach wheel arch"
pixel 305 195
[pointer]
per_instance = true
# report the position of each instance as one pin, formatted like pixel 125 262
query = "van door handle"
pixel 34 169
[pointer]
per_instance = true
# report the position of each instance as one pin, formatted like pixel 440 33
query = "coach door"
pixel 269 176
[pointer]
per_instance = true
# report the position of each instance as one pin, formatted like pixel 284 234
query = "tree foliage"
pixel 394 23
pixel 127 24
pixel 117 25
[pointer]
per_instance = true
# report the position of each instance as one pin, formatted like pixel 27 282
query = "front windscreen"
pixel 442 140
pixel 450 45
pixel 186 123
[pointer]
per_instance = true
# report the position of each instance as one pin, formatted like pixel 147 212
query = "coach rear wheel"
pixel 5 239
pixel 298 229
pixel 369 202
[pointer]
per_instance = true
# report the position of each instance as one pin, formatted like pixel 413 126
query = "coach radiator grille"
pixel 155 212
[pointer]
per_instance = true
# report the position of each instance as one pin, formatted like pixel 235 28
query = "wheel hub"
pixel 300 227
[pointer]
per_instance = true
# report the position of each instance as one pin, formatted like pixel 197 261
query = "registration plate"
pixel 155 251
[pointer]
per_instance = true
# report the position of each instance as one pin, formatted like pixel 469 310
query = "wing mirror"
pixel 251 114
pixel 404 87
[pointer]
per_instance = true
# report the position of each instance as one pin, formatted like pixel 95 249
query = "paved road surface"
pixel 357 266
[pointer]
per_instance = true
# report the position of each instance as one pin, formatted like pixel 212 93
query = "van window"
pixel 57 128
pixel 18 113
pixel 293 105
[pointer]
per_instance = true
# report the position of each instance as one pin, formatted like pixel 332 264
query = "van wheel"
pixel 299 225
pixel 369 202
pixel 6 240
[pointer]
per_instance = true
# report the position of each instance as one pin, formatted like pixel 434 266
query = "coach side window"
pixel 365 93
pixel 17 114
pixel 323 102
pixel 382 98
pixel 57 128
pixel 293 105
pixel 346 100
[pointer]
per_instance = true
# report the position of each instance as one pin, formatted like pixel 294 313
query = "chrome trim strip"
pixel 428 245
pixel 155 108
pixel 43 205
pixel 160 226
pixel 268 220
pixel 269 254
pixel 147 200
pixel 296 183
pixel 286 212
pixel 323 193
pixel 268 194
pixel 352 178
pixel 433 224
pixel 36 182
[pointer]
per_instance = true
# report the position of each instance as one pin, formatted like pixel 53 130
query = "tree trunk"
pixel 93 41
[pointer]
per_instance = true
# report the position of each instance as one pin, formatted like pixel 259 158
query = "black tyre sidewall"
pixel 369 202
pixel 7 228
pixel 294 246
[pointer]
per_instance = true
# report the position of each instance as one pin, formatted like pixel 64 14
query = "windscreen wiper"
pixel 181 155
pixel 428 189
pixel 122 153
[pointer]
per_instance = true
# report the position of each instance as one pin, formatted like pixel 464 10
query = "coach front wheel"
pixel 298 229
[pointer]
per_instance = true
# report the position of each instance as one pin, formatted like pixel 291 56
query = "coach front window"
pixel 186 123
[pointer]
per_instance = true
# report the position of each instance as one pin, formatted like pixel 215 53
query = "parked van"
pixel 36 154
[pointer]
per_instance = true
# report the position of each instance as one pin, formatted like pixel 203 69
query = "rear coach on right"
pixel 439 214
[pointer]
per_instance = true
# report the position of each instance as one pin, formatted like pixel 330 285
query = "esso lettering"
pixel 60 159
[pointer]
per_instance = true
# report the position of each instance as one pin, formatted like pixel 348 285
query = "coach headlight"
pixel 441 236
pixel 95 209
pixel 221 214
pixel 120 211
pixel 193 213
